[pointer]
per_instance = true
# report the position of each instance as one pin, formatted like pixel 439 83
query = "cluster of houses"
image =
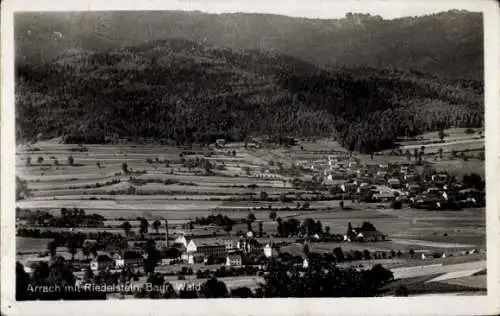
pixel 267 174
pixel 387 182
pixel 229 252
pixel 226 251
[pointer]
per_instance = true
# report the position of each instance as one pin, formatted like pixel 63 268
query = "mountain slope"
pixel 184 91
pixel 448 44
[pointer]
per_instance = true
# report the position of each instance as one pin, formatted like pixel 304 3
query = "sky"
pixel 322 9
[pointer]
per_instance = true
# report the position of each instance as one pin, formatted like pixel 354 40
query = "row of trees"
pixel 40 160
pixel 292 227
pixel 219 220
pixel 69 218
pixel 283 279
pixel 104 240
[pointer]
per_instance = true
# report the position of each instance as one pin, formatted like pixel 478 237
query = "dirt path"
pixel 410 272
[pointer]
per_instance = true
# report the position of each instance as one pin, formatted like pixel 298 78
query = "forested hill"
pixel 181 91
pixel 449 44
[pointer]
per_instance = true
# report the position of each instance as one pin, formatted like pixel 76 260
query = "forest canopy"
pixel 181 91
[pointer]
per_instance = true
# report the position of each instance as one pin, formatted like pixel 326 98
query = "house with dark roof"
pixel 128 258
pixel 221 142
pixel 102 262
pixel 394 183
pixel 370 236
pixel 363 234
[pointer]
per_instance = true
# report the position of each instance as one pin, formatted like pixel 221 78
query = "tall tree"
pixel 156 225
pixel 86 252
pixel 126 228
pixel 228 229
pixel 273 215
pixel 280 227
pixel 251 217
pixel 72 248
pixel 51 247
pixel 143 227
pixel 441 135
pixel 214 288
pixel 93 249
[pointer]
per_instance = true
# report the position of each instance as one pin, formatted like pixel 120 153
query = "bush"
pixel 366 254
pixel 397 205
pixel 242 292
pixel 402 291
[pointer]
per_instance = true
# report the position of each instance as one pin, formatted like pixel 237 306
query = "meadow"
pixel 164 188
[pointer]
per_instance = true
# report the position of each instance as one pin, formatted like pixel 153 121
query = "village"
pixel 238 249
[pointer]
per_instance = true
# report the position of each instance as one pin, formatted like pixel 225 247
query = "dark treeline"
pixel 219 220
pixel 103 240
pixel 69 218
pixel 183 92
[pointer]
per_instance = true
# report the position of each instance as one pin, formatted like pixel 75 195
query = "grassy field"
pixel 459 167
pixel 192 194
pixel 25 244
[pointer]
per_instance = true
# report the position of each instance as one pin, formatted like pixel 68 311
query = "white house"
pixel 181 240
pixel 191 247
pixel 194 257
pixel 305 263
pixel 270 251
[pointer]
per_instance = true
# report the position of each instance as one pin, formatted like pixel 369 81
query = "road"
pixel 410 272
pixel 465 141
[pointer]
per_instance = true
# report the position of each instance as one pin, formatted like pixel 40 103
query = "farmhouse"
pixel 370 236
pixel 128 258
pixel 394 183
pixel 365 233
pixel 195 258
pixel 383 196
pixel 180 241
pixel 30 264
pixel 221 142
pixel 439 178
pixel 270 251
pixel 413 188
pixel 102 262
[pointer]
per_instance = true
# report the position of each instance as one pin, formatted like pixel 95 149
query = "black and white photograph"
pixel 249 150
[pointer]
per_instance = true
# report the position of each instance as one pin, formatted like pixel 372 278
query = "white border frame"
pixel 442 305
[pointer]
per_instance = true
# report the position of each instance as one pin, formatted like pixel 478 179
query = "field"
pixel 163 187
